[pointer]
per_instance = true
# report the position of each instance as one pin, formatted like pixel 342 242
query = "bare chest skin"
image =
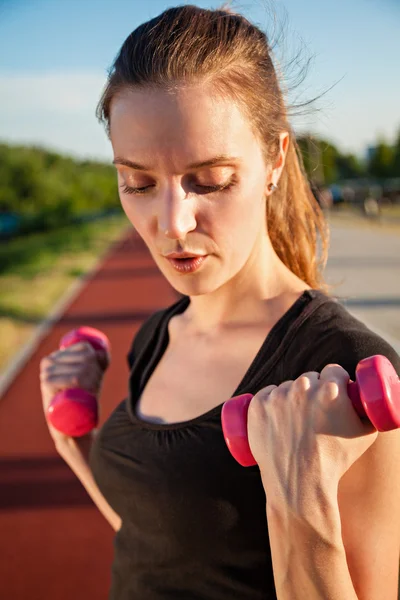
pixel 194 376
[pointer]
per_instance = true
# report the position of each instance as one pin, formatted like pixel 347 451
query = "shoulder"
pixel 150 326
pixel 331 334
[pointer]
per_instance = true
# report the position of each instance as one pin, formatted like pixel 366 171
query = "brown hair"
pixel 188 44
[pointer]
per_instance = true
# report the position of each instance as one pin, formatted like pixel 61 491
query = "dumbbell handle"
pixel 74 411
pixel 375 396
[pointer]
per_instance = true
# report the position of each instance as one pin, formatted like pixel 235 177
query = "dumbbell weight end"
pixel 375 397
pixel 74 411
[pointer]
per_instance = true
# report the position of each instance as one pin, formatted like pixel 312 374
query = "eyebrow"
pixel 198 165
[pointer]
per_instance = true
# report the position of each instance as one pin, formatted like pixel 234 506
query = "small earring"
pixel 272 187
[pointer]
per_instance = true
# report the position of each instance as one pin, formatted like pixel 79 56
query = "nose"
pixel 176 215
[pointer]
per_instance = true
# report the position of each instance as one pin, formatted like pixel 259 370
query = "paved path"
pixel 54 544
pixel 366 264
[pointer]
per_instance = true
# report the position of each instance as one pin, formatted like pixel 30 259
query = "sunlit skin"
pixel 242 279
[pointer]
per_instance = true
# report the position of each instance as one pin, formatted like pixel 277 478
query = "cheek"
pixel 127 207
pixel 138 215
pixel 238 219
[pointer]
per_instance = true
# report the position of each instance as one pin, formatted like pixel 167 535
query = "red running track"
pixel 54 544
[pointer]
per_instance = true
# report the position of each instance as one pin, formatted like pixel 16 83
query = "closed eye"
pixel 206 188
pixel 130 190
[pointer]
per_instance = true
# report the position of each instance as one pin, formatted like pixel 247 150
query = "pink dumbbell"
pixel 375 396
pixel 74 411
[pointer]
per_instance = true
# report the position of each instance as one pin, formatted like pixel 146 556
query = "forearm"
pixel 75 452
pixel 308 558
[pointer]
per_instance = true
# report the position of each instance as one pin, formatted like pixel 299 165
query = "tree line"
pixel 326 164
pixel 44 189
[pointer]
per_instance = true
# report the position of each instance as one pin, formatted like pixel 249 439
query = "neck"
pixel 261 292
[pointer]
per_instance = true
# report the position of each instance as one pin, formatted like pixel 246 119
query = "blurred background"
pixel 55 158
pixel 59 207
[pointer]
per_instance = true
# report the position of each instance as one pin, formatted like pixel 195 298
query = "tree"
pixel 349 167
pixel 47 189
pixel 319 158
pixel 381 162
pixel 396 157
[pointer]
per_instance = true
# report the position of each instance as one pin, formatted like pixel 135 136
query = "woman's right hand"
pixel 77 366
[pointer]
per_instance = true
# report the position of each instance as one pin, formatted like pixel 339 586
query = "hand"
pixel 305 434
pixel 79 365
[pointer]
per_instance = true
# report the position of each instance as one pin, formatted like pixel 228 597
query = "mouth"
pixel 187 264
pixel 180 255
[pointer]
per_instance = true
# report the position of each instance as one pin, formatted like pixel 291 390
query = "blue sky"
pixel 54 55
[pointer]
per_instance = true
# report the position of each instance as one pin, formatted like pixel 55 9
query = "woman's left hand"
pixel 305 434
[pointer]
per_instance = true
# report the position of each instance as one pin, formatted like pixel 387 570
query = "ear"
pixel 277 168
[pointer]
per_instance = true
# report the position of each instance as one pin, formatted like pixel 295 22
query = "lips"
pixel 187 264
pixel 178 255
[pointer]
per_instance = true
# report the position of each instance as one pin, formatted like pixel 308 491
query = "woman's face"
pixel 160 141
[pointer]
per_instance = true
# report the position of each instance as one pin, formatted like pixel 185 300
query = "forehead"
pixel 182 126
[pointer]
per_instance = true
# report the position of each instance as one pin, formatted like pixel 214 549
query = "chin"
pixel 191 288
pixel 191 285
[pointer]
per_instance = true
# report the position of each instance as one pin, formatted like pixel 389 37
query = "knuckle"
pixel 46 371
pixel 45 362
pixel 266 392
pixel 255 404
pixel 312 374
pixel 329 390
pixel 258 402
pixel 283 390
pixel 332 368
pixel 274 394
pixel 302 383
pixel 285 384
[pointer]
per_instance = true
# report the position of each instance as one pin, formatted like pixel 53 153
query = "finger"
pixel 61 369
pixel 335 373
pixel 56 383
pixel 306 380
pixel 265 392
pixel 82 345
pixel 62 356
pixel 72 361
pixel 311 375
pixel 79 347
pixel 285 386
pixel 80 350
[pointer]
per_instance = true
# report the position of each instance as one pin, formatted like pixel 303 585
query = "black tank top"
pixel 194 521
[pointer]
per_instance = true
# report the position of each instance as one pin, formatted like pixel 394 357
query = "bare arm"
pixel 332 485
pixel 81 366
pixel 348 546
pixel 309 560
pixel 75 452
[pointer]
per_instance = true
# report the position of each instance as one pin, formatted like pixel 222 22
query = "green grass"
pixel 37 269
pixel 32 254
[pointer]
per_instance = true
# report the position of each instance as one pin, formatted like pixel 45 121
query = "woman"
pixel 209 176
